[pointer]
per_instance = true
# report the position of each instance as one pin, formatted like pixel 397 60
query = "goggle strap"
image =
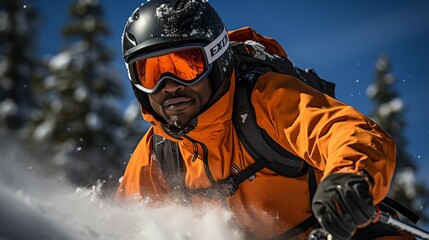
pixel 217 47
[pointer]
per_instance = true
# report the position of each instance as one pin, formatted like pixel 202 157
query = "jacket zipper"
pixel 205 157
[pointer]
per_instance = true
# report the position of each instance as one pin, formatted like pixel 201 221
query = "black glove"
pixel 342 203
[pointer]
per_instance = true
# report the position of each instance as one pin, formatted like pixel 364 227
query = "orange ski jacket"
pixel 328 134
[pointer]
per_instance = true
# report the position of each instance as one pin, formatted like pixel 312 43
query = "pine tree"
pixel 19 65
pixel 389 114
pixel 82 101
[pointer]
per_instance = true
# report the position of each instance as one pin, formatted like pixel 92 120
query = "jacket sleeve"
pixel 142 177
pixel 329 135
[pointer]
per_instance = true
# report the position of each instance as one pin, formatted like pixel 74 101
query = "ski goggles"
pixel 185 64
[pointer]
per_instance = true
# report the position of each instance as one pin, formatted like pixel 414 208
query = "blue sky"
pixel 340 39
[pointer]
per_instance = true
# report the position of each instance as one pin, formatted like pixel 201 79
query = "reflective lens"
pixel 185 66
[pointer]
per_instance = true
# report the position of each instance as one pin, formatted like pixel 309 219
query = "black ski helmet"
pixel 160 24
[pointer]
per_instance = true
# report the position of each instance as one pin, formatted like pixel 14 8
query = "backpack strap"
pixel 252 62
pixel 257 141
pixel 265 150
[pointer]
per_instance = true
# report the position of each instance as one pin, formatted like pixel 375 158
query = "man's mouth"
pixel 177 103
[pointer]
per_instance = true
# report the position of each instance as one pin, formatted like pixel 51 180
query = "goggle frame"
pixel 211 52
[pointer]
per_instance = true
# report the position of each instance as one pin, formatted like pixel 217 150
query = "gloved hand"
pixel 342 203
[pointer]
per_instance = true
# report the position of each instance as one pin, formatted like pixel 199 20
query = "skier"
pixel 184 74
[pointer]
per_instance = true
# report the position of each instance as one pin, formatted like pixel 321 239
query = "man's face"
pixel 178 104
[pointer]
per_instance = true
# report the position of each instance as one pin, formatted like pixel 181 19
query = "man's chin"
pixel 178 122
pixel 179 119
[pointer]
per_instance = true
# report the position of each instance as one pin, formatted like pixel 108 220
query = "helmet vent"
pixel 130 37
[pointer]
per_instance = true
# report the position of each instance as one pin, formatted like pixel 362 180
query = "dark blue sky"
pixel 340 39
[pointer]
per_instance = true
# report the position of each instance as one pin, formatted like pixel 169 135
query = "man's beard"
pixel 177 121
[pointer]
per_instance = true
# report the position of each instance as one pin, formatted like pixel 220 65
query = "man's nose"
pixel 171 86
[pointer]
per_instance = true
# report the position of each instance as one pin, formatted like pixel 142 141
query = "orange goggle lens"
pixel 185 66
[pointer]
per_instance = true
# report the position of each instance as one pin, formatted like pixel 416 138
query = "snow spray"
pixel 36 206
